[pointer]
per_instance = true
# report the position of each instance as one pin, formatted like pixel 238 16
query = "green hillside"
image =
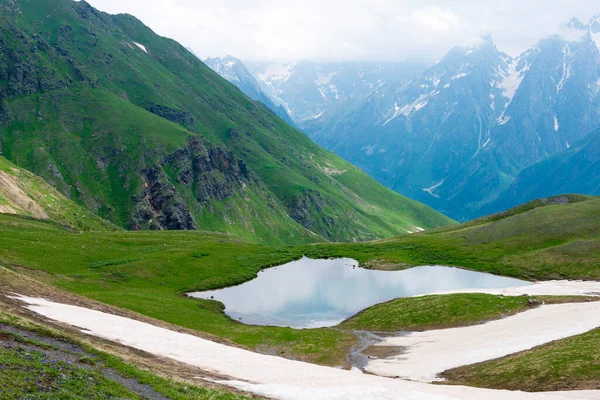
pixel 22 193
pixel 555 238
pixel 137 129
pixel 147 272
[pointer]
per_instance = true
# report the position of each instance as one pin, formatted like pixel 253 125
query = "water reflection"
pixel 316 293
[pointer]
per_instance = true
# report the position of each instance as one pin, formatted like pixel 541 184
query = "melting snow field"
pixel 432 352
pixel 287 379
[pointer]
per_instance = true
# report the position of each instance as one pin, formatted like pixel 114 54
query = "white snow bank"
pixel 266 375
pixel 141 46
pixel 432 352
pixel 546 288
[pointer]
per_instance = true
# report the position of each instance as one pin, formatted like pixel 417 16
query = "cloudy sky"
pixel 340 30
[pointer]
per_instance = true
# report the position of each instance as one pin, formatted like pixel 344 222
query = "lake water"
pixel 317 293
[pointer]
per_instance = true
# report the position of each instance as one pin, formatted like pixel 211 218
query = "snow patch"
pixel 566 68
pixel 324 79
pixel 430 190
pixel 277 377
pixel 511 80
pixel 502 119
pixel 141 46
pixel 416 105
pixel 429 353
pixel 458 76
pixel 369 150
pixel 421 105
pixel 277 72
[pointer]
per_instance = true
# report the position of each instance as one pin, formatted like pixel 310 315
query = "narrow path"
pixel 267 375
pixel 426 354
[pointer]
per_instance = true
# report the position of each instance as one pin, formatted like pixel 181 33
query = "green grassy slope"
pixel 539 240
pixel 23 193
pixel 435 312
pixel 147 272
pixel 76 88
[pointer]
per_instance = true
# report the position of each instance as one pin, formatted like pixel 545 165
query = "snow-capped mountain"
pixel 235 72
pixel 308 89
pixel 458 135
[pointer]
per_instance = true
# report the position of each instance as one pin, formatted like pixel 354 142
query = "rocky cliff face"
pixel 206 172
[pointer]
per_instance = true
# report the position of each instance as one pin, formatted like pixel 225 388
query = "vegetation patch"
pixel 437 312
pixel 108 263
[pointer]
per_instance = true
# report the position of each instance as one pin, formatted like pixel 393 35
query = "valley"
pixel 171 228
pixel 146 273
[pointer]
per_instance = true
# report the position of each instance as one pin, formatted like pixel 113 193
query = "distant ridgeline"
pixel 138 130
pixel 461 133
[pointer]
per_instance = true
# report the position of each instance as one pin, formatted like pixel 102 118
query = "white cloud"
pixel 332 30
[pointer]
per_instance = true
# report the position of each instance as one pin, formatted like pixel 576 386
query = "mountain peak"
pixel 575 23
pixel 594 24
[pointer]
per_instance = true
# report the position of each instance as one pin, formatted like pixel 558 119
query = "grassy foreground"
pixel 536 241
pixel 436 312
pixel 147 272
pixel 37 363
pixel 447 311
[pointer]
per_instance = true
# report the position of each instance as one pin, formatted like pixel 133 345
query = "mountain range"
pixel 457 136
pixel 235 72
pixel 307 89
pixel 135 128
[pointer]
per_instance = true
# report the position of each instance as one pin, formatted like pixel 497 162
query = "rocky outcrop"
pixel 174 115
pixel 201 173
pixel 308 211
pixel 160 206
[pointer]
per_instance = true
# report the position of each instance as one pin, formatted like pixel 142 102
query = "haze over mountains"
pixel 458 135
pixel 137 129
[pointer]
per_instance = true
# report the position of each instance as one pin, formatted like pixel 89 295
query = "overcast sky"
pixel 342 30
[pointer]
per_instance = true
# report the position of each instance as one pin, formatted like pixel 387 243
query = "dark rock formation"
pixel 174 115
pixel 202 173
pixel 160 206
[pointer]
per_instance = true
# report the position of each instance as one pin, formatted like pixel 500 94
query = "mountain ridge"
pixel 137 129
pixel 459 134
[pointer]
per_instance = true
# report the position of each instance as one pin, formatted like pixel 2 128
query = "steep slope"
pixel 307 89
pixel 235 72
pixel 23 193
pixel 575 170
pixel 137 129
pixel 458 135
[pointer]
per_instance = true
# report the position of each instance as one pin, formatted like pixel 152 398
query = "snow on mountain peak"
pixel 574 23
pixel 511 78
